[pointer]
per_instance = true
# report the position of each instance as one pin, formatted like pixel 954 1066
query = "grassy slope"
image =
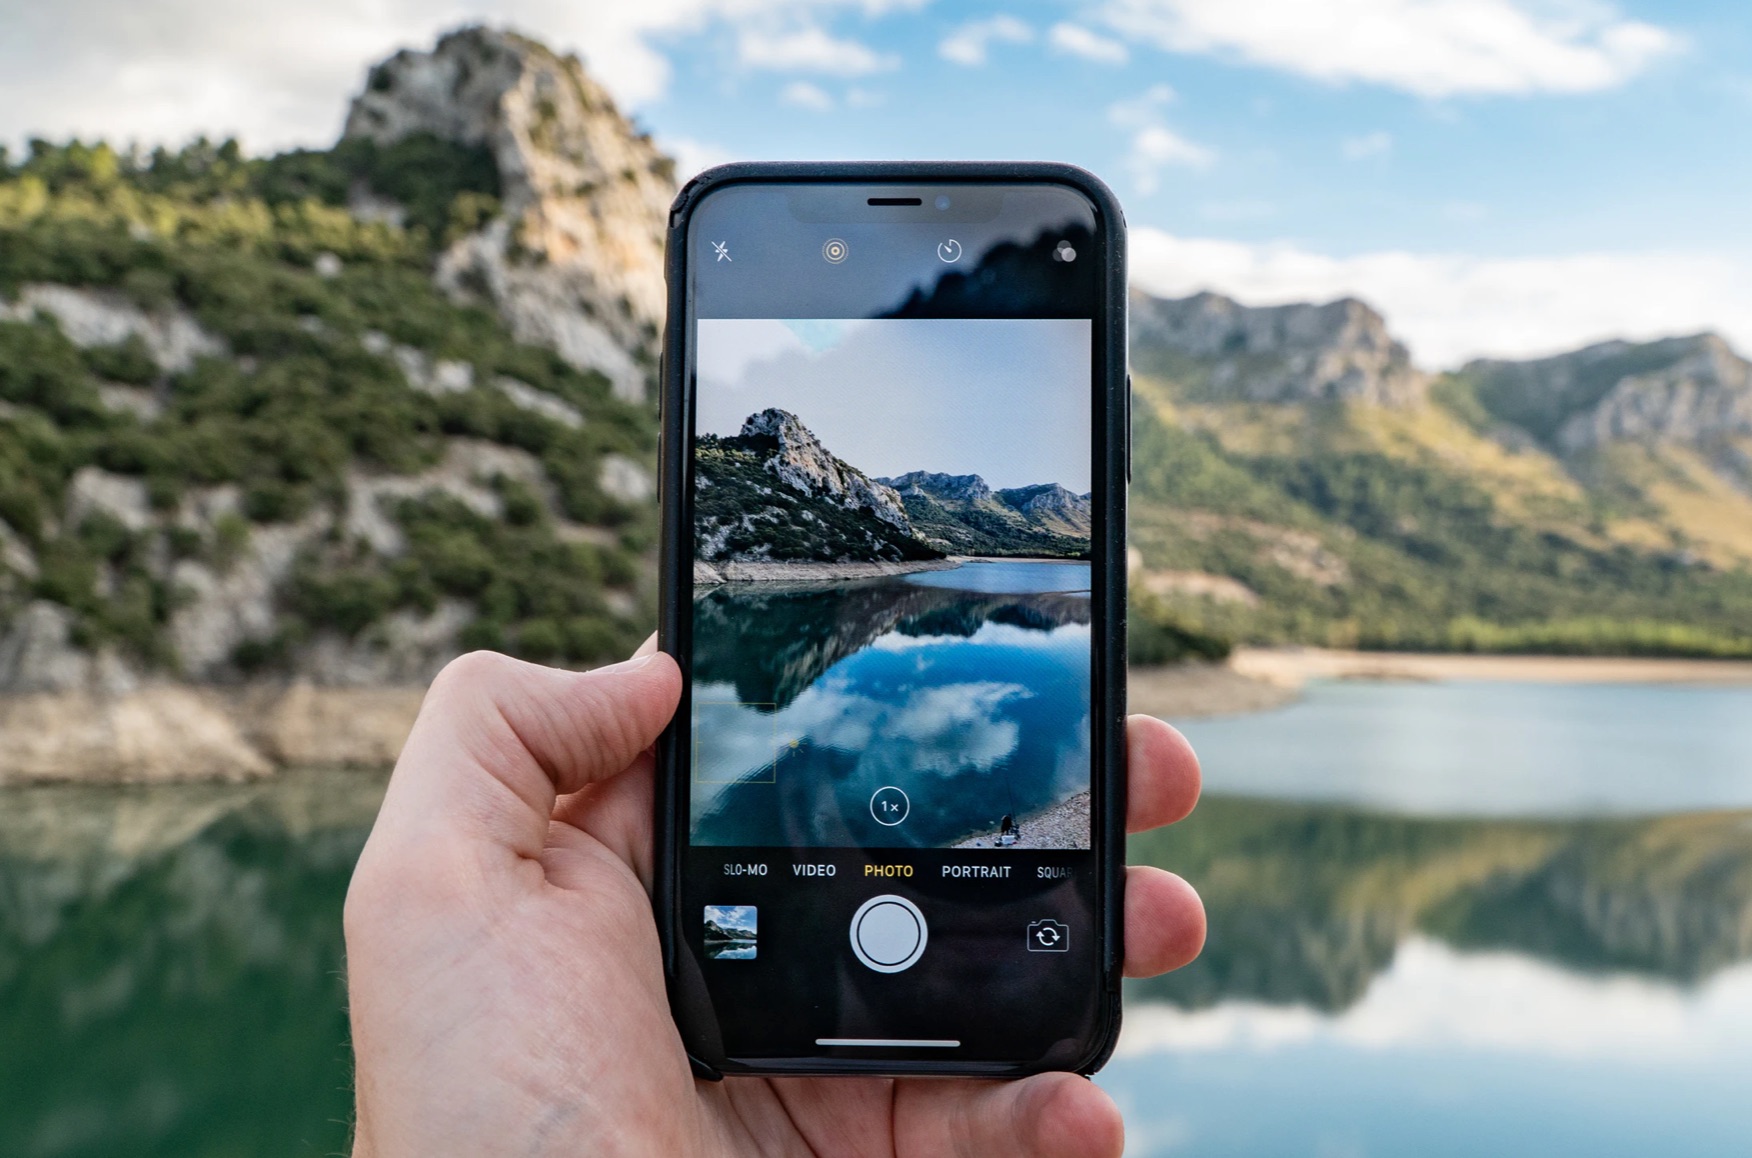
pixel 1377 528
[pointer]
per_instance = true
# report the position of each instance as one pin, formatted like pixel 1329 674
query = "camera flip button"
pixel 1049 936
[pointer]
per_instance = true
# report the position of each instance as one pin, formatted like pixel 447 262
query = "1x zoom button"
pixel 889 933
pixel 889 806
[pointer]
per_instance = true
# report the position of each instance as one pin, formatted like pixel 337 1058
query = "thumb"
pixel 1045 1116
pixel 498 739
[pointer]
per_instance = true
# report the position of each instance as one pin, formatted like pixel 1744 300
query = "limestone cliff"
pixel 1692 390
pixel 773 493
pixel 575 262
pixel 964 515
pixel 1337 351
pixel 800 461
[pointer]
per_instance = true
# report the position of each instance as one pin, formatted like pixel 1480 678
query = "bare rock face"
pixel 1338 351
pixel 1054 507
pixel 960 488
pixel 90 317
pixel 37 654
pixel 576 260
pixel 805 465
pixel 1705 392
pixel 1694 391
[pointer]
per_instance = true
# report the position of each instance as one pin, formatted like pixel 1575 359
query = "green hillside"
pixel 1435 523
pixel 339 414
pixel 312 317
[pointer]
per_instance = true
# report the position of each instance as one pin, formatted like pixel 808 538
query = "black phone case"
pixel 1112 463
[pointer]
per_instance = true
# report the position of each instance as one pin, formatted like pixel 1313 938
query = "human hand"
pixel 506 990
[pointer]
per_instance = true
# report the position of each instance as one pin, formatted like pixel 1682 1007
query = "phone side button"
pixel 1128 429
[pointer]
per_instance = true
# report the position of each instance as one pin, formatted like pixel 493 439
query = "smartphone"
pixel 890 808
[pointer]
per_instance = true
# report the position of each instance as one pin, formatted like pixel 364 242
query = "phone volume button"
pixel 1128 429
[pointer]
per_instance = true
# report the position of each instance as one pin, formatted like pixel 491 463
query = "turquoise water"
pixel 1001 575
pixel 1388 972
pixel 1491 749
pixel 967 690
pixel 171 968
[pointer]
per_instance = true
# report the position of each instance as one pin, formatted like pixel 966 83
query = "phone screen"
pixel 894 498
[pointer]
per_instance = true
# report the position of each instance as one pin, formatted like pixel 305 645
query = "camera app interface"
pixel 889 784
pixel 891 583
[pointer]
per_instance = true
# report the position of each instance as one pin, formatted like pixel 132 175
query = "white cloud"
pixel 807 96
pixel 1451 307
pixel 693 157
pixel 968 44
pixel 943 730
pixel 1154 146
pixel 1433 997
pixel 1376 144
pixel 280 75
pixel 1434 48
pixel 1076 40
pixel 810 49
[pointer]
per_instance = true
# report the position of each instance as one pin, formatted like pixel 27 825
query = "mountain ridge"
pixel 824 510
pixel 574 258
pixel 1595 499
pixel 339 414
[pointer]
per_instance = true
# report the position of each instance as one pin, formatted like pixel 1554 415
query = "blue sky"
pixel 1006 399
pixel 1499 176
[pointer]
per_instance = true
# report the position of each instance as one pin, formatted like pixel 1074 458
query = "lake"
pixel 965 689
pixel 1390 971
pixel 1459 919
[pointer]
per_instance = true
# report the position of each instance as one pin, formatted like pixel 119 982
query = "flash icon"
pixel 722 249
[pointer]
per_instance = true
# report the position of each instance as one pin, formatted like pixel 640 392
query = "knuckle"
pixel 475 667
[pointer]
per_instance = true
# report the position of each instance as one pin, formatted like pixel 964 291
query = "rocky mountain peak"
pixel 800 460
pixel 1694 390
pixel 1704 393
pixel 1338 350
pixel 1054 506
pixel 575 262
pixel 1045 497
pixel 959 488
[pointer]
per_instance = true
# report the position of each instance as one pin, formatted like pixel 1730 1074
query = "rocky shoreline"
pixel 712 574
pixel 164 733
pixel 167 732
pixel 170 732
pixel 1063 825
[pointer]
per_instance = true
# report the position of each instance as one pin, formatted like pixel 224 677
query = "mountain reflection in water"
pixel 1308 903
pixel 1374 984
pixel 171 969
pixel 1383 985
pixel 772 640
pixel 1452 920
pixel 808 698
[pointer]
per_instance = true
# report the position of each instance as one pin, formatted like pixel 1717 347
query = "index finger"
pixel 1162 783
